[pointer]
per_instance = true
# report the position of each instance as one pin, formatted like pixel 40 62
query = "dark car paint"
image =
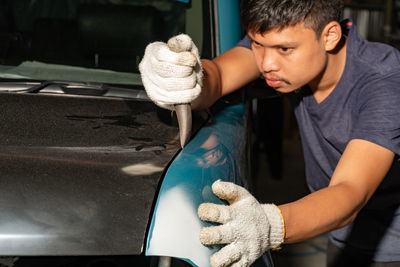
pixel 63 190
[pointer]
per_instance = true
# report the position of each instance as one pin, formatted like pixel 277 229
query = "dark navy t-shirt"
pixel 365 104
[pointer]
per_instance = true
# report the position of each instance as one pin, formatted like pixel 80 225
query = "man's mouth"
pixel 274 82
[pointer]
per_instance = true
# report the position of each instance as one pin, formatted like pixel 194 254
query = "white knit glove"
pixel 248 228
pixel 172 73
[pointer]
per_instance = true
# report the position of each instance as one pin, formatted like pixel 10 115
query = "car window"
pixel 88 40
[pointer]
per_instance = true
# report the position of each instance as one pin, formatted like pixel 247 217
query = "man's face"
pixel 289 58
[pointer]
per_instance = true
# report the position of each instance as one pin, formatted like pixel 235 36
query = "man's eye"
pixel 286 49
pixel 256 43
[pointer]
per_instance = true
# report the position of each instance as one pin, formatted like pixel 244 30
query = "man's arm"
pixel 359 172
pixel 225 74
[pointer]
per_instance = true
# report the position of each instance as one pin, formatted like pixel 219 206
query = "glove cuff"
pixel 275 218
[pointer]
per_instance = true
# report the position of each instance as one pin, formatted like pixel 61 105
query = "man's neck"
pixel 324 85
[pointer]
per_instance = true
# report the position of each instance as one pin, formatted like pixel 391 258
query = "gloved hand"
pixel 172 73
pixel 248 228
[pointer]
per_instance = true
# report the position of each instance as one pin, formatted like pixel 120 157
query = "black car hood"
pixel 79 175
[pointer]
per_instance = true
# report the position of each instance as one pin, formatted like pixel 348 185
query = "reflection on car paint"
pixel 212 154
pixel 146 168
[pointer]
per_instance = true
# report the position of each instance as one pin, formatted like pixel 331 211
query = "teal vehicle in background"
pixel 92 171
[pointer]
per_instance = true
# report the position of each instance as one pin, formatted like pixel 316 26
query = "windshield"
pixel 88 40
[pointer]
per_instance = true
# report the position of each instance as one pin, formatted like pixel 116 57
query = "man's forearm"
pixel 358 174
pixel 319 212
pixel 211 90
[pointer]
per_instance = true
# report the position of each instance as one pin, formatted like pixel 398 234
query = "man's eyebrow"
pixel 279 44
pixel 287 44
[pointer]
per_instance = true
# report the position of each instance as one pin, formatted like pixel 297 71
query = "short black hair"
pixel 260 16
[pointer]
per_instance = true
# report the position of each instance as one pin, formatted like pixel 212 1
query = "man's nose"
pixel 269 61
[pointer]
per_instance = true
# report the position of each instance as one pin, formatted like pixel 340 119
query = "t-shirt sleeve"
pixel 379 114
pixel 245 42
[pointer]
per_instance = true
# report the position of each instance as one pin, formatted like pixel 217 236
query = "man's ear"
pixel 332 34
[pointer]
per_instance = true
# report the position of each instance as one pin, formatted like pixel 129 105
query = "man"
pixel 345 93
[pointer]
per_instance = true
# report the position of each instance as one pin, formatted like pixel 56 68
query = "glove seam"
pixel 283 227
pixel 275 218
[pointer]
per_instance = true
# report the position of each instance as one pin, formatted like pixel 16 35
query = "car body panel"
pixel 213 154
pixel 75 167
